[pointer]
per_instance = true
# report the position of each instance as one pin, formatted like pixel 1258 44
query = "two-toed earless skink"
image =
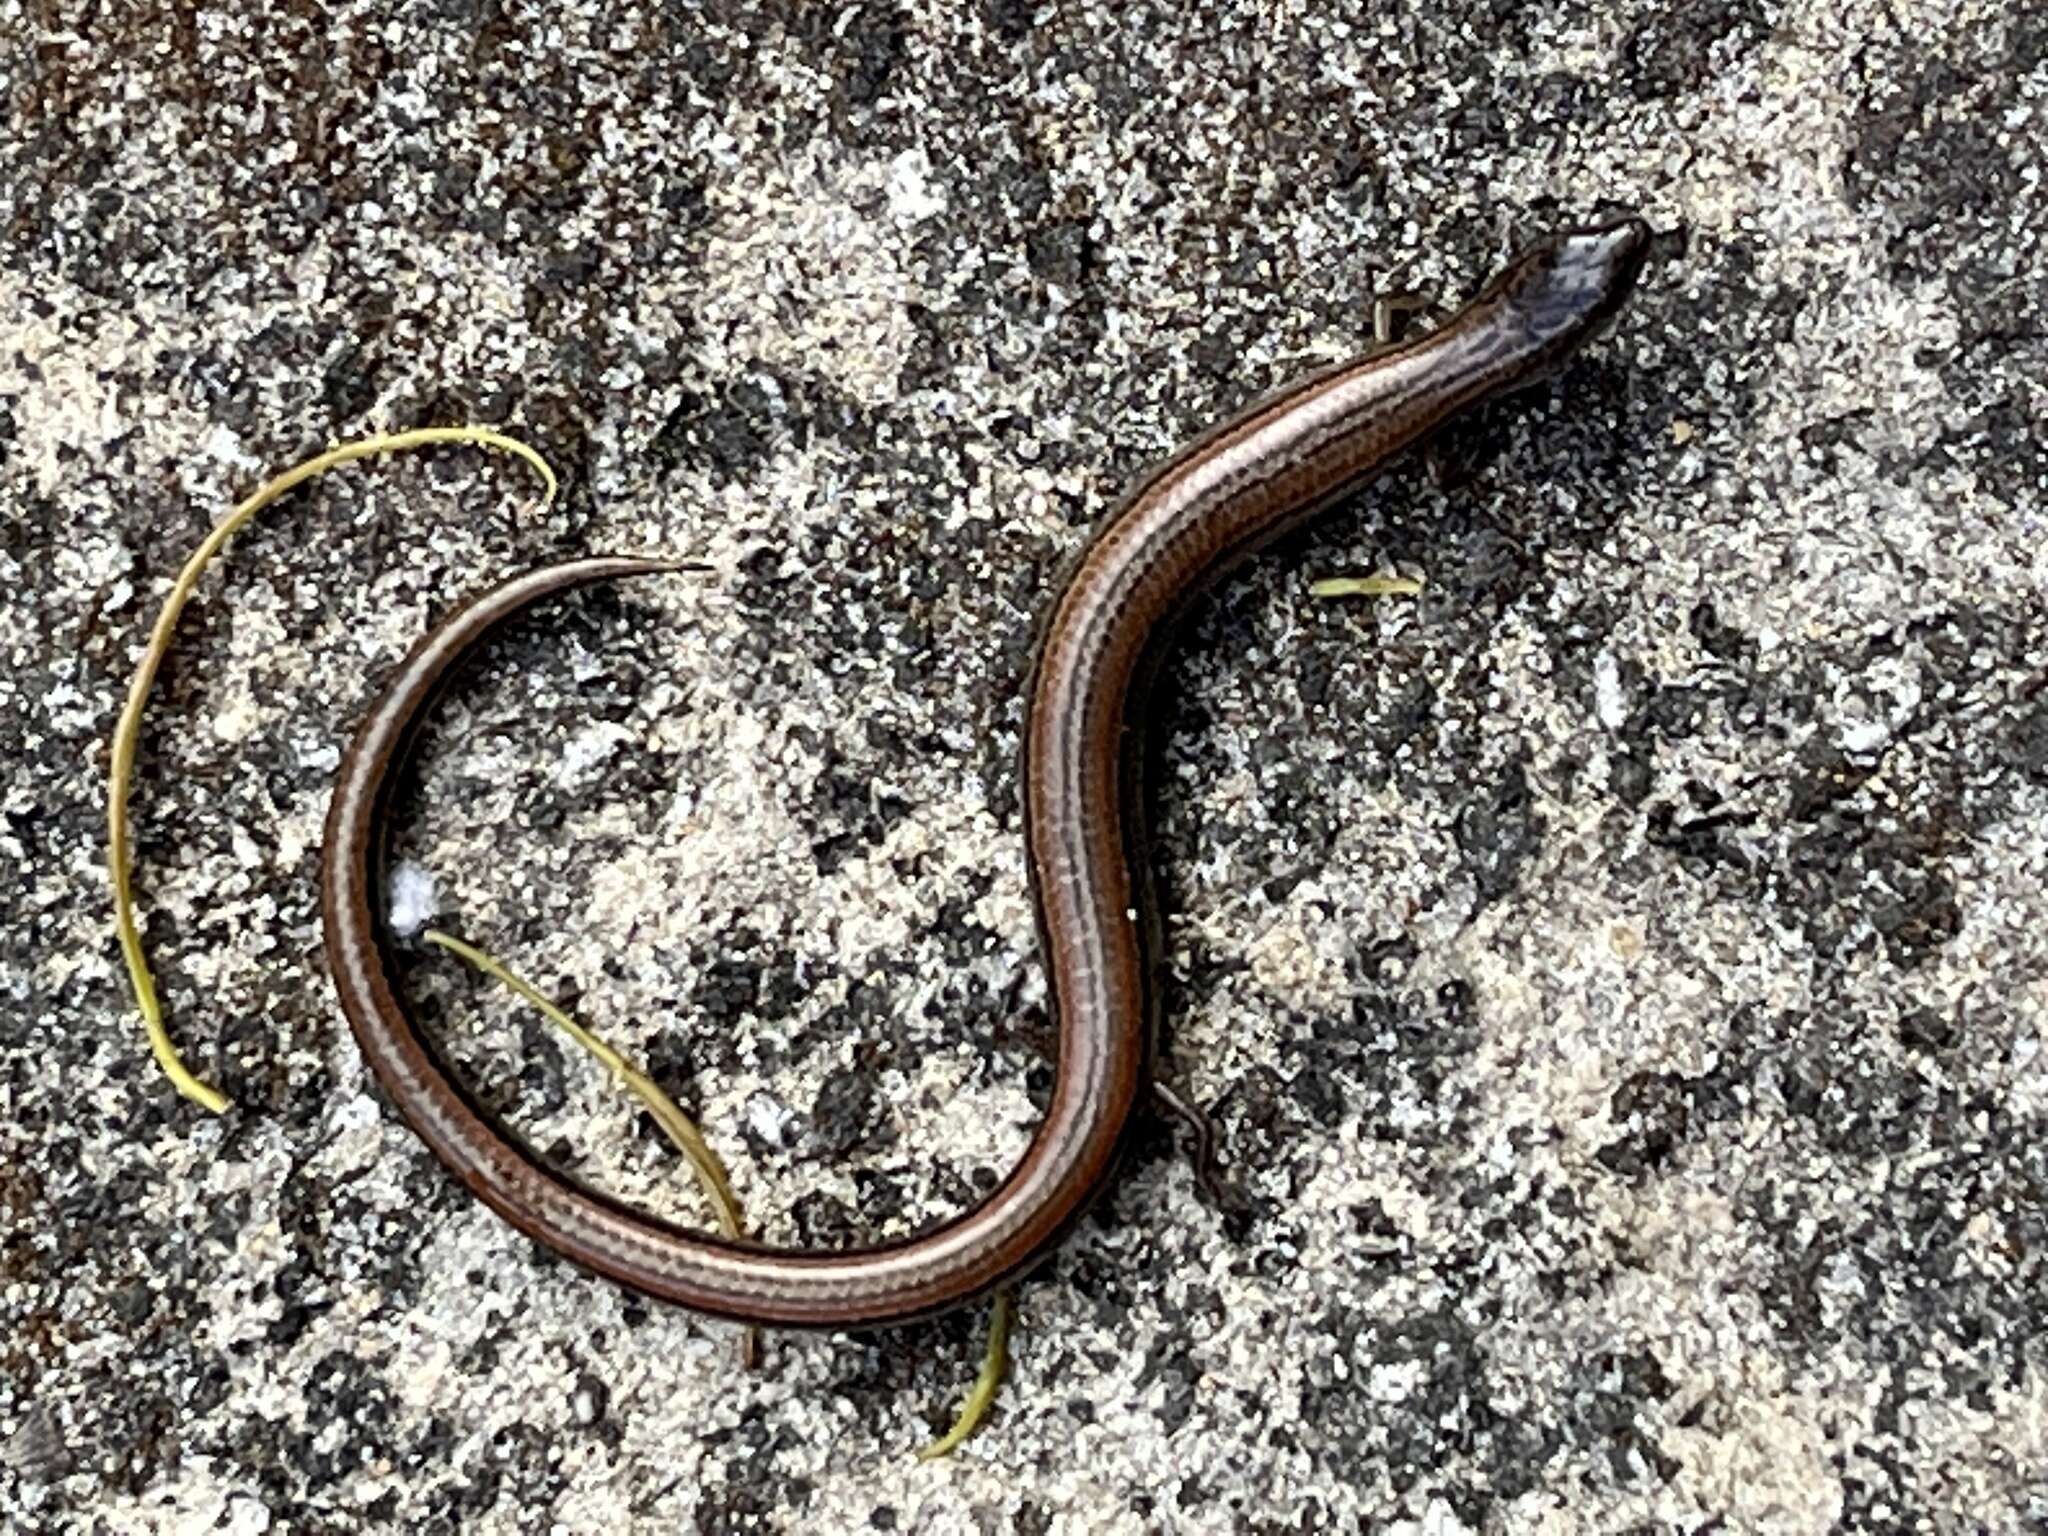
pixel 1289 457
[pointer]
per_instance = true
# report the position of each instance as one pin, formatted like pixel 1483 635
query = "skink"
pixel 1268 470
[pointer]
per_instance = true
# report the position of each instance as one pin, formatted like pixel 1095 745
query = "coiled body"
pixel 1268 470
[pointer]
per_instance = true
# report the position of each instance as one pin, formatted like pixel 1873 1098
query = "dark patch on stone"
pixel 1653 1109
pixel 1010 18
pixel 1447 1403
pixel 842 1114
pixel 730 436
pixel 1673 712
pixel 1061 253
pixel 1930 149
pixel 346 1392
pixel 858 814
pixel 1714 384
pixel 2024 743
pixel 1849 874
pixel 1397 1046
pixel 1919 1296
pixel 754 1488
pixel 1632 774
pixel 2004 438
pixel 1609 1409
pixel 348 385
pixel 1826 437
pixel 740 976
pixel 1923 1029
pixel 823 1221
pixel 1499 830
pixel 865 50
pixel 1676 49
pixel 1901 1165
pixel 1168 1378
pixel 1825 780
pixel 882 1196
pixel 1700 842
pixel 1854 862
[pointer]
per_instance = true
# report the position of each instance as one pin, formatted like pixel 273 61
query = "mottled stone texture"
pixel 1620 973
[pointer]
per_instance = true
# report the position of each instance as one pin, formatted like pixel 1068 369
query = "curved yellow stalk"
pixel 681 1129
pixel 993 1360
pixel 128 731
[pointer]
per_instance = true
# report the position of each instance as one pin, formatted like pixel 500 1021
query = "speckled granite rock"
pixel 1620 973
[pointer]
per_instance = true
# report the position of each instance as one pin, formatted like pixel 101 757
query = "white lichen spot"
pixel 591 746
pixel 768 1119
pixel 1609 701
pixel 1861 738
pixel 235 721
pixel 414 901
pixel 911 196
pixel 1396 1382
pixel 358 1112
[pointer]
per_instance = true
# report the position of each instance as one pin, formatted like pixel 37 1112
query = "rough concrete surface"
pixel 1619 973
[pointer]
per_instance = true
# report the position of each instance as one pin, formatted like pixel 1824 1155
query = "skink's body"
pixel 1270 469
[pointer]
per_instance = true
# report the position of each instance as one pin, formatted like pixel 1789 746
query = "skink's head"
pixel 1560 293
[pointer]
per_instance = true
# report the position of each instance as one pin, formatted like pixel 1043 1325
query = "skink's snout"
pixel 1560 293
pixel 1609 256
